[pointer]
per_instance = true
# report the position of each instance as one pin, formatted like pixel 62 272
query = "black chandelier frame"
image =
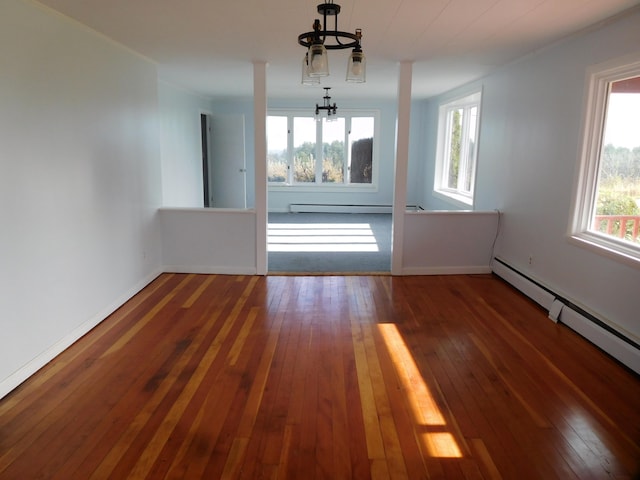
pixel 320 33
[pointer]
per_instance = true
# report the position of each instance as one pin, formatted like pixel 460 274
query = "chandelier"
pixel 315 63
pixel 331 109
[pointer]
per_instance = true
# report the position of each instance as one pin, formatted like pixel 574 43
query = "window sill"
pixel 454 199
pixel 368 187
pixel 611 248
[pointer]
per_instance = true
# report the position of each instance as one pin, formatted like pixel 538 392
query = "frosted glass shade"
pixel 306 78
pixel 357 68
pixel 318 61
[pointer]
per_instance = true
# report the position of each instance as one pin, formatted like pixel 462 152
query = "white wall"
pixel 448 242
pixel 528 152
pixel 181 145
pixel 209 240
pixel 79 183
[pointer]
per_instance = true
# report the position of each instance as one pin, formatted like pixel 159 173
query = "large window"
pixel 607 212
pixel 458 126
pixel 305 151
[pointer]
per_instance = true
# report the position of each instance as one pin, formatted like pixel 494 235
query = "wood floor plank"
pixel 375 444
pixel 392 450
pixel 225 376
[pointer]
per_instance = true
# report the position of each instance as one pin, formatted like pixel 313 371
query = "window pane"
pixel 361 150
pixel 277 134
pixel 333 150
pixel 304 149
pixel 470 161
pixel 617 208
pixel 454 147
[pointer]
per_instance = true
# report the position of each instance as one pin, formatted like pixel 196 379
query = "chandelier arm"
pixel 306 39
pixel 335 29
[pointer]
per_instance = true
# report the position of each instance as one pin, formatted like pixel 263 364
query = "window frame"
pixel 597 88
pixel 318 186
pixel 457 196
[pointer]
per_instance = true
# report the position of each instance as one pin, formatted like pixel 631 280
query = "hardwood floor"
pixel 325 377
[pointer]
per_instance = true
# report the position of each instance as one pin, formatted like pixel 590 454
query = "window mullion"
pixel 289 149
pixel 346 158
pixel 319 153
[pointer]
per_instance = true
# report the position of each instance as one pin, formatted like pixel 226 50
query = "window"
pixel 458 126
pixel 305 151
pixel 607 201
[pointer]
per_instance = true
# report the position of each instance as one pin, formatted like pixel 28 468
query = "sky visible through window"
pixel 623 120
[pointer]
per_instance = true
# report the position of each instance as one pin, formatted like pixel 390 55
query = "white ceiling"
pixel 208 46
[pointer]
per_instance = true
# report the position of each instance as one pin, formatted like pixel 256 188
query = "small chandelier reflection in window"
pixel 326 106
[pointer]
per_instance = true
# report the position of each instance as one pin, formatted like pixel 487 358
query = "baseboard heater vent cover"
pixel 562 310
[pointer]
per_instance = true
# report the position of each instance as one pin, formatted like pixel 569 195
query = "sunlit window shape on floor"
pixel 433 432
pixel 321 237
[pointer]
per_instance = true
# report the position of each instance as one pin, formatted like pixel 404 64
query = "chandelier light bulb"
pixel 319 64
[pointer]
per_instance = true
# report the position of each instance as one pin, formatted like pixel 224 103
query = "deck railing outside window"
pixel 623 226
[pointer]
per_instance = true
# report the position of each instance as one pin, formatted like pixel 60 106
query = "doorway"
pixel 204 141
pixel 223 161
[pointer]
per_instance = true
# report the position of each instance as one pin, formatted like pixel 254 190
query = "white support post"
pixel 260 142
pixel 401 164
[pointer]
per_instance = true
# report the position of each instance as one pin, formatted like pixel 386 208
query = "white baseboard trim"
pixel 207 270
pixel 530 289
pixel 614 346
pixel 457 270
pixel 598 332
pixel 23 373
pixel 326 208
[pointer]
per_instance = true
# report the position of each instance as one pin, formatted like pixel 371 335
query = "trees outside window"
pixel 277 159
pixel 302 150
pixel 304 153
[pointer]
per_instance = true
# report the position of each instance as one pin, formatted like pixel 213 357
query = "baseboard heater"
pixel 560 309
pixel 334 208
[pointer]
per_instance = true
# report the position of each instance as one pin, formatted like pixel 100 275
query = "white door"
pixel 227 173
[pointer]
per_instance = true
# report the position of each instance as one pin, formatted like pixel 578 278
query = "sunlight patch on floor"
pixel 321 237
pixel 432 426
